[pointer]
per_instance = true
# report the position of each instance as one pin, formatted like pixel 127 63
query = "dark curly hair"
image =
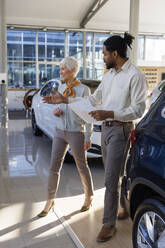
pixel 119 44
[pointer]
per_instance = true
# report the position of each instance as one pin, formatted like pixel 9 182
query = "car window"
pixel 46 90
pixel 162 86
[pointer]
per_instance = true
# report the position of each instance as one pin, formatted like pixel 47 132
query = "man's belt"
pixel 115 123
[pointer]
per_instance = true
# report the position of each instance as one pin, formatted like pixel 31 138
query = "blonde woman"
pixel 70 131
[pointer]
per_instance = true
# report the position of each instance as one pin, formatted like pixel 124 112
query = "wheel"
pixel 27 101
pixel 149 225
pixel 35 128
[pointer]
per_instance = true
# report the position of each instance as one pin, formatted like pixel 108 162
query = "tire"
pixel 35 129
pixel 149 225
pixel 27 101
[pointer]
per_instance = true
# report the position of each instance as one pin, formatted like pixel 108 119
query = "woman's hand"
pixel 57 112
pixel 87 145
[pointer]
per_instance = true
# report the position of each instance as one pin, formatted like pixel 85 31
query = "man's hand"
pixel 57 112
pixel 101 115
pixel 55 99
pixel 87 145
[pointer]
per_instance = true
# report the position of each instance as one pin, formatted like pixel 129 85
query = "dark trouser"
pixel 113 143
pixel 59 149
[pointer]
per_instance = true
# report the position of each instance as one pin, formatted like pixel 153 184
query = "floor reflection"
pixel 24 169
pixel 4 152
pixel 28 156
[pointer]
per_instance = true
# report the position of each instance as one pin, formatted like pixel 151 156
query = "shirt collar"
pixel 124 67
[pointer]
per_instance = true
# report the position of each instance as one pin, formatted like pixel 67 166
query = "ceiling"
pixel 113 16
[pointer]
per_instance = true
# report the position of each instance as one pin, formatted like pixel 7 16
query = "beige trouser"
pixel 59 148
pixel 113 143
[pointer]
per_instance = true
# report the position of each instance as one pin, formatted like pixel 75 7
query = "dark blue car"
pixel 144 180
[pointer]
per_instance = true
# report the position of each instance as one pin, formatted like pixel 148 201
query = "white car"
pixel 43 120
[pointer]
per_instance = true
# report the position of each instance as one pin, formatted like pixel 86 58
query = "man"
pixel 121 96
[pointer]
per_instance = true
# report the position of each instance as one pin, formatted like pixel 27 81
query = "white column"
pixel 37 63
pixel 93 57
pixel 4 152
pixel 3 66
pixel 2 37
pixel 4 144
pixel 66 43
pixel 21 83
pixel 84 56
pixel 134 28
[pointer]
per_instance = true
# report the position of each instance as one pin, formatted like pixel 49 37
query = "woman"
pixel 70 131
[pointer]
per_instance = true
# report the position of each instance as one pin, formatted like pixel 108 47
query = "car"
pixel 47 125
pixel 156 92
pixel 144 179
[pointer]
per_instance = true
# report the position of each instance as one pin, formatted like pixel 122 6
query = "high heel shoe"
pixel 45 213
pixel 85 207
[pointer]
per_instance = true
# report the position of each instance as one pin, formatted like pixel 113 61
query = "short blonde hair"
pixel 71 63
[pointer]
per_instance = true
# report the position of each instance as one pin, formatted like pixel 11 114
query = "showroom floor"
pixel 24 168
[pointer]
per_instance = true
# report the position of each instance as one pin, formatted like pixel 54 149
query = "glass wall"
pixel 89 55
pixel 34 56
pixel 141 50
pixel 28 45
pixel 29 52
pixel 75 44
pixel 32 52
pixel 42 52
pixel 15 56
pixel 51 50
pixel 29 75
pixel 14 45
pixel 94 53
pixel 47 72
pixel 99 63
pixel 15 77
pixel 154 48
pixel 55 46
pixel 21 55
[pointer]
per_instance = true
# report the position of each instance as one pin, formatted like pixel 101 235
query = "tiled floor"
pixel 24 168
pixel 23 190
